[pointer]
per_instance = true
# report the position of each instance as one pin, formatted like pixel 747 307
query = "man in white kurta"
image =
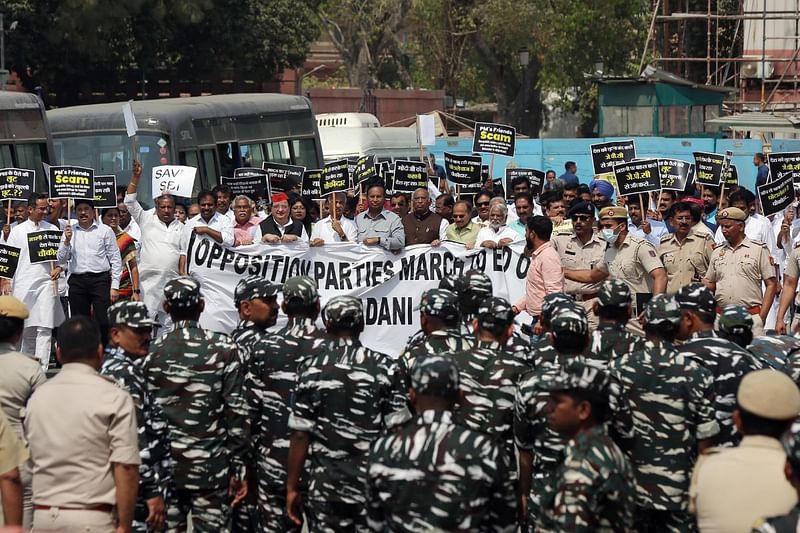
pixel 35 284
pixel 158 258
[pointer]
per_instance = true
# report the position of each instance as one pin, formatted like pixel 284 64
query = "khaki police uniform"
pixel 12 451
pixel 575 255
pixel 793 270
pixel 632 263
pixel 733 487
pixel 77 425
pixel 739 273
pixel 685 262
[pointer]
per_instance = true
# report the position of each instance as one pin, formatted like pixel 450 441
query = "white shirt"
pixel 488 234
pixel 218 222
pixel 657 230
pixel 257 235
pixel 92 250
pixel 133 230
pixel 322 230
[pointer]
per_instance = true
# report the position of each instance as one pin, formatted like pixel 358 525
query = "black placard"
pixel 494 139
pixel 674 173
pixel 335 178
pixel 253 182
pixel 9 260
pixel 311 184
pixel 410 176
pixel 535 179
pixel 71 182
pixel 731 176
pixel 784 163
pixel 484 173
pixel 708 168
pixel 43 245
pixel 105 191
pixel 638 177
pixel 606 155
pixel 281 177
pixel 388 179
pixel 776 195
pixel 16 183
pixel 462 169
pixel 364 169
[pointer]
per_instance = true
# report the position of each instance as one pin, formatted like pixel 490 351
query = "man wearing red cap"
pixel 279 227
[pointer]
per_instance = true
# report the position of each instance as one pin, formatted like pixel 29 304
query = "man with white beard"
pixel 496 234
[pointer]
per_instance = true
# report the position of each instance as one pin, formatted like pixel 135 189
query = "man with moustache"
pixel 685 253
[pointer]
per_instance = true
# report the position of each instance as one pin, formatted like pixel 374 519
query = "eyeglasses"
pixel 581 217
pixel 683 219
pixel 482 204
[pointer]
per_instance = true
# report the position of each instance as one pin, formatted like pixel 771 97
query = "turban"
pixel 603 187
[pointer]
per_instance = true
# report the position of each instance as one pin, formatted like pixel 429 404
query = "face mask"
pixel 609 235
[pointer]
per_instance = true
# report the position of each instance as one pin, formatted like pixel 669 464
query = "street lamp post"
pixel 524 60
pixel 299 89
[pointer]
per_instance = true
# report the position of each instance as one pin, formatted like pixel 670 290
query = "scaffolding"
pixel 753 47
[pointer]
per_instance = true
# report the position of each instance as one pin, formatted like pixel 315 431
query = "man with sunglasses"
pixel 685 253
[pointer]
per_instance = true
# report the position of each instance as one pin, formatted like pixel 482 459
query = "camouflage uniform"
pixel 434 475
pixel 489 375
pixel 197 379
pixel 345 398
pixel 594 489
pixel 248 332
pixel 672 398
pixel 726 361
pixel 779 352
pixel 610 341
pixel 155 470
pixel 270 384
pixel 790 522
pixel 443 304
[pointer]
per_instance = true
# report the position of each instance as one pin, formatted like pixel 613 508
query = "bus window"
pixel 30 155
pixel 189 158
pixel 304 153
pixel 209 168
pixel 5 156
pixel 278 152
pixel 252 155
pixel 229 158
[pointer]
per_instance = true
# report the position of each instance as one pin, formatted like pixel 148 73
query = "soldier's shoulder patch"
pixel 720 245
pixel 652 252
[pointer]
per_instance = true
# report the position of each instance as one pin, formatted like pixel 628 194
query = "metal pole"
pixel 2 42
pixel 763 54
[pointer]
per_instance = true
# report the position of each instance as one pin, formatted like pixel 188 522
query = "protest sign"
pixel 280 177
pixel 462 169
pixel 388 180
pixel 105 191
pixel 708 168
pixel 410 176
pixel 674 174
pixel 16 183
pixel 783 164
pixel 130 119
pixel 248 181
pixel 606 155
pixel 173 179
pixel 388 285
pixel 776 195
pixel 426 130
pixel 731 176
pixel 364 169
pixel 638 177
pixel 9 260
pixel 335 178
pixel 494 139
pixel 43 245
pixel 535 179
pixel 71 182
pixel 310 187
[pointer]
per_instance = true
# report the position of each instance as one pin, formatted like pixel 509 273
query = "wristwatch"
pixel 137 291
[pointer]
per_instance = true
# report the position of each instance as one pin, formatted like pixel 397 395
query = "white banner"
pixel 173 179
pixel 389 285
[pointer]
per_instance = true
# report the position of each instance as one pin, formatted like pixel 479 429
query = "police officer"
pixel 256 300
pixel 594 488
pixel 612 339
pixel 129 339
pixel 467 487
pixel 674 419
pixel 790 522
pixel 583 249
pixel 726 361
pixel 732 488
pixel 196 377
pixel 738 267
pixel 439 320
pixel 346 397
pixel 12 455
pixel 81 429
pixel 685 253
pixel 277 359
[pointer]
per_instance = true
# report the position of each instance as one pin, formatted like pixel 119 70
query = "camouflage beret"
pixel 435 375
pixel 662 309
pixel 475 284
pixel 440 303
pixel 131 314
pixel 732 213
pixel 450 283
pixel 302 288
pixel 579 375
pixel 696 297
pixel 791 445
pixel 11 307
pixel 614 212
pixel 344 311
pixel 735 320
pixel 569 319
pixel 552 302
pixel 252 288
pixel 495 312
pixel 769 394
pixel 614 293
pixel 183 292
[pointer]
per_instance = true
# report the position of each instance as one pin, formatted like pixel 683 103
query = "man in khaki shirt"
pixel 12 454
pixel 738 267
pixel 81 429
pixel 685 253
pixel 732 488
pixel 789 292
pixel 583 249
pixel 20 376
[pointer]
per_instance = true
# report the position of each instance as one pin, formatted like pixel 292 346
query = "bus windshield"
pixel 111 153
